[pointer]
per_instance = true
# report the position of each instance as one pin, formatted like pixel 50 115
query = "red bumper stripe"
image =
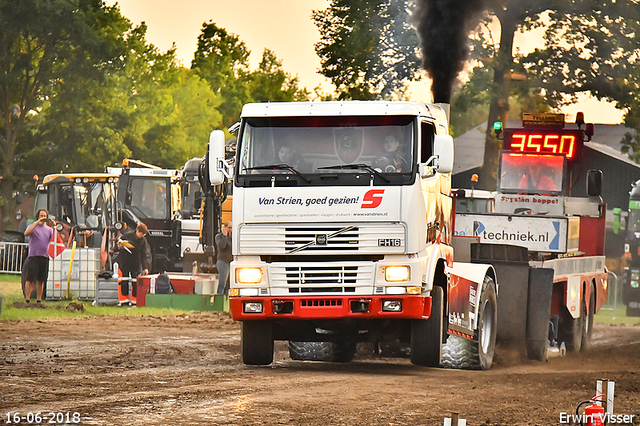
pixel 327 307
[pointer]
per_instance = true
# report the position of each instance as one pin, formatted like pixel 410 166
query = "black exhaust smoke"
pixel 443 27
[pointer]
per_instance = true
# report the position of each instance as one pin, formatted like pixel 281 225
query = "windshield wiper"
pixel 281 166
pixel 357 166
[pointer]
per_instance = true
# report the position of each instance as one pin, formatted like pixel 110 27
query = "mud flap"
pixel 539 312
pixel 511 264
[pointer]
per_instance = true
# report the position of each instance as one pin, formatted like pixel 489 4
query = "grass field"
pixel 11 292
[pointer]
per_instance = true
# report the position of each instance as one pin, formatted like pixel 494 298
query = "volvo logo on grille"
pixel 321 239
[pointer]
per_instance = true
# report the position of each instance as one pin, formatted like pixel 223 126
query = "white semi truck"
pixel 342 229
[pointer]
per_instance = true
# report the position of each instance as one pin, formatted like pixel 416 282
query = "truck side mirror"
pixel 443 150
pixel 594 183
pixel 215 157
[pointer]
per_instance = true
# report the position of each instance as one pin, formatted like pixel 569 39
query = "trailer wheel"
pixel 426 335
pixel 256 343
pixel 587 323
pixel 322 351
pixel 476 354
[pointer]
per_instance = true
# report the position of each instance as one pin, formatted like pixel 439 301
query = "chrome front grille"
pixel 316 277
pixel 378 238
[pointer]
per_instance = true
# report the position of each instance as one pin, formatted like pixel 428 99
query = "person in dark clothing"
pixel 133 256
pixel 392 161
pixel 224 257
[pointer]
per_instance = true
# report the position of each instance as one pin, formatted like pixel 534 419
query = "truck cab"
pixel 83 206
pixel 342 229
pixel 631 274
pixel 152 195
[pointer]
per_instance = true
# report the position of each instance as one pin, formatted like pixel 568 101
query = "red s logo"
pixel 373 197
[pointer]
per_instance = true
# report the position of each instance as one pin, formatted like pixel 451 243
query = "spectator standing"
pixel 224 257
pixel 37 269
pixel 134 257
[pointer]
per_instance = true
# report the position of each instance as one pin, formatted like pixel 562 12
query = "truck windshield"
pixel 93 204
pixel 531 174
pixel 149 198
pixel 322 145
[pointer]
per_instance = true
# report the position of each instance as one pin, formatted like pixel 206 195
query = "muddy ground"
pixel 186 370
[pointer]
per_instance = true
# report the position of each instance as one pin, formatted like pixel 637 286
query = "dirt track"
pixel 186 370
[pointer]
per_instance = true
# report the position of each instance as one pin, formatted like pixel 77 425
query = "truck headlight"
pixel 248 275
pixel 396 273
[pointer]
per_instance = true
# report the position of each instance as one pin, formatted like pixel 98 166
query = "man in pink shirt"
pixel 37 268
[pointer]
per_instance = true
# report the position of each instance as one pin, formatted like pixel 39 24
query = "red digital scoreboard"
pixel 545 141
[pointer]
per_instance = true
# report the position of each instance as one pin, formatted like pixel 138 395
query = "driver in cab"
pixel 392 161
pixel 535 180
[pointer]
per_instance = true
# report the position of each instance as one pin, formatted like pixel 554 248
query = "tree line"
pixel 81 88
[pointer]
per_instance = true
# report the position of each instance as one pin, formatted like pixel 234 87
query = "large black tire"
pixel 587 323
pixel 537 350
pixel 426 335
pixel 476 354
pixel 256 342
pixel 322 351
pixel 633 312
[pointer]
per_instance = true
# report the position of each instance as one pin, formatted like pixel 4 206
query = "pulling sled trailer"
pixel 546 245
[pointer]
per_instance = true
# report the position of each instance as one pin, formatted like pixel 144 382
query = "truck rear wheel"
pixel 571 329
pixel 476 354
pixel 256 343
pixel 322 351
pixel 426 335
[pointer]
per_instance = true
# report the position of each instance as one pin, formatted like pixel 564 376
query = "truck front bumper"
pixel 331 307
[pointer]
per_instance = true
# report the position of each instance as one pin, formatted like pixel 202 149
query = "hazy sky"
pixel 283 26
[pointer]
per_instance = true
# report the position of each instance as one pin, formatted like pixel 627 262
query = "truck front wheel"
pixel 426 335
pixel 256 344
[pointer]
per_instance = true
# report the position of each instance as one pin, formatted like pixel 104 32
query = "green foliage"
pixel 368 48
pixel 270 83
pixel 40 42
pixel 144 106
pixel 222 60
